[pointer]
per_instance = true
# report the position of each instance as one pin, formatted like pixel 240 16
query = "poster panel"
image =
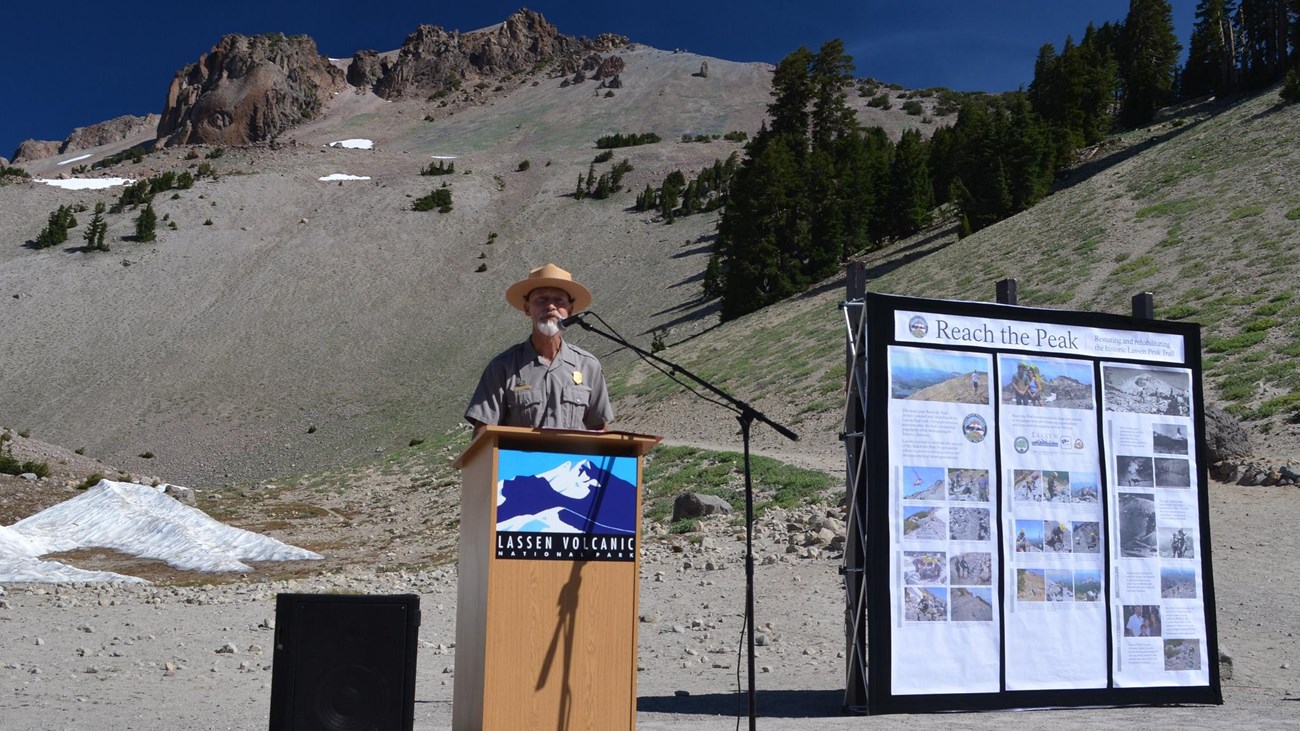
pixel 1050 456
pixel 1158 603
pixel 1038 530
pixel 943 549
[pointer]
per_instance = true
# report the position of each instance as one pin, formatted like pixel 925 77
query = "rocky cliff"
pixel 434 60
pixel 248 89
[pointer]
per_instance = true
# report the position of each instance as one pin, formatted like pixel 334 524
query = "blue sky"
pixel 77 62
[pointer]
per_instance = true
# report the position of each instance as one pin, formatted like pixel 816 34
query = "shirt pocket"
pixel 573 405
pixel 523 408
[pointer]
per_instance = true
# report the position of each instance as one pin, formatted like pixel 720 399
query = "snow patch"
pixel 138 520
pixel 354 144
pixel 74 159
pixel 343 176
pixel 86 183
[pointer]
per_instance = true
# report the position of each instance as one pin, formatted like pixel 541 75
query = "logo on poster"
pixel 974 428
pixel 1078 444
pixel 1021 444
pixel 918 326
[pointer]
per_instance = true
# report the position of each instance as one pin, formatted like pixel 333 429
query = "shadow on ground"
pixel 767 704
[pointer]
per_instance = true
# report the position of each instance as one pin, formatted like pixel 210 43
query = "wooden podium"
pixel 546 608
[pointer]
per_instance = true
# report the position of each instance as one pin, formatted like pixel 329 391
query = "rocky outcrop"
pixel 36 150
pixel 609 67
pixel 366 69
pixel 106 133
pixel 433 60
pixel 248 89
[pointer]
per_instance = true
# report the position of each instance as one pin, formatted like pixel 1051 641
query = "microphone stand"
pixel 746 415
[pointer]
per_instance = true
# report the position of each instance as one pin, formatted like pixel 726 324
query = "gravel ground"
pixel 148 657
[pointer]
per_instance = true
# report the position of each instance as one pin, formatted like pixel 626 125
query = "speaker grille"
pixel 344 663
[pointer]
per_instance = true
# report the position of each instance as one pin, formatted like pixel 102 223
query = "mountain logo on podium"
pixel 566 506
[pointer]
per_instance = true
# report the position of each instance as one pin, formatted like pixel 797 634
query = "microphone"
pixel 570 320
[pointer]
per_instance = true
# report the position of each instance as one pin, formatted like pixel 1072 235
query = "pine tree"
pixel 1150 52
pixel 1263 28
pixel 96 231
pixel 830 72
pixel 792 91
pixel 1211 54
pixel 146 224
pixel 910 194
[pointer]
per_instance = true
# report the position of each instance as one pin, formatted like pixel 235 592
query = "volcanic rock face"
pixel 35 150
pixel 104 133
pixel 433 60
pixel 367 67
pixel 248 89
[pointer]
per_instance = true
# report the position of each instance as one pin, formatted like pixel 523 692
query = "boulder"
pixel 695 505
pixel 1224 435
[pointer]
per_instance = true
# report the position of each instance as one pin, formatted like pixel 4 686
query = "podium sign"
pixel 1037 528
pixel 566 507
pixel 546 614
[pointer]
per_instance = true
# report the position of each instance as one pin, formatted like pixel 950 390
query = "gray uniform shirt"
pixel 518 388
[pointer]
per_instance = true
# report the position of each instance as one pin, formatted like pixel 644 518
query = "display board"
pixel 1037 518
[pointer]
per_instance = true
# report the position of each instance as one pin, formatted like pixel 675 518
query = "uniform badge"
pixel 577 377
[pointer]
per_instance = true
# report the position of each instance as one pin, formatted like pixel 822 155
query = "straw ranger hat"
pixel 548 276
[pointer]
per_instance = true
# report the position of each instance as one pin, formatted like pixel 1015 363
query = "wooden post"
pixel 1007 292
pixel 1144 306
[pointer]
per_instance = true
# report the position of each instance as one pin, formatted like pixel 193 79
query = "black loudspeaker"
pixel 344 662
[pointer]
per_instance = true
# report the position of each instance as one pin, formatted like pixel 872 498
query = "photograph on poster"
pixel 972 605
pixel 1173 472
pixel 1137 524
pixel 1027 486
pixel 938 375
pixel 1177 582
pixel 1029 585
pixel 1060 585
pixel 925 523
pixel 1177 543
pixel 1147 390
pixel 1087 536
pixel 1056 486
pixel 968 485
pixel 929 604
pixel 925 567
pixel 971 568
pixel 1084 487
pixel 1182 654
pixel 969 524
pixel 923 483
pixel 1169 438
pixel 1141 620
pixel 1051 382
pixel 1134 471
pixel 1056 537
pixel 1087 585
pixel 1029 536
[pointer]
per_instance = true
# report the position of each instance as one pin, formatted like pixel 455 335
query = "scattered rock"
pixel 695 505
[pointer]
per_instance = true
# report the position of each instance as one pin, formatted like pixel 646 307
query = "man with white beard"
pixel 543 381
